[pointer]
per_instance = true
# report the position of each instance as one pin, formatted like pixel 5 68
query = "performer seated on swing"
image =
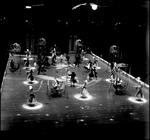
pixel 30 77
pixel 31 95
pixel 55 84
pixel 139 91
pixel 84 91
pixel 73 79
pixel 118 84
pixel 56 89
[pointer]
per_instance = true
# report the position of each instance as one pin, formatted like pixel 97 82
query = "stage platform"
pixel 102 114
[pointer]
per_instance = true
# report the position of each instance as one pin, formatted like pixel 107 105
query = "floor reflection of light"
pixel 29 83
pixel 33 68
pixel 36 106
pixel 136 100
pixel 45 77
pixel 26 58
pixel 66 77
pixel 97 67
pixel 79 97
pixel 27 67
pixel 108 80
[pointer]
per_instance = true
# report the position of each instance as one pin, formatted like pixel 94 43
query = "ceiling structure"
pixel 43 16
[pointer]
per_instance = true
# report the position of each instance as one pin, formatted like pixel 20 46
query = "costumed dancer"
pixel 73 79
pixel 95 61
pixel 112 76
pixel 117 84
pixel 53 60
pixel 84 91
pixel 95 72
pixel 77 60
pixel 68 72
pixel 28 53
pixel 45 61
pixel 61 59
pixel 68 59
pixel 139 91
pixel 30 76
pixel 31 95
pixel 27 63
pixel 89 65
pixel 12 64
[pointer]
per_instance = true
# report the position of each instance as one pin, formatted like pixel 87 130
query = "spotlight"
pixel 94 6
pixel 28 7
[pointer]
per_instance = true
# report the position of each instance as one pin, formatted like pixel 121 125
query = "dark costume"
pixel 73 79
pixel 30 76
pixel 139 92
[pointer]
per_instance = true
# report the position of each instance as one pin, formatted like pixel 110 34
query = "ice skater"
pixel 73 79
pixel 139 91
pixel 30 76
pixel 84 91
pixel 31 101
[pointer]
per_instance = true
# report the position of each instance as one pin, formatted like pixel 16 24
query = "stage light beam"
pixel 94 6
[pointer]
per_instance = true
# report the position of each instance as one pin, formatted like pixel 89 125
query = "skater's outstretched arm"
pixel 41 83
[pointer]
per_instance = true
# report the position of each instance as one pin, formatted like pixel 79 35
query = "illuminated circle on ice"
pixel 26 58
pixel 108 80
pixel 80 97
pixel 137 100
pixel 33 68
pixel 65 77
pixel 45 77
pixel 84 58
pixel 90 83
pixel 27 67
pixel 97 67
pixel 36 105
pixel 30 83
pixel 61 66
